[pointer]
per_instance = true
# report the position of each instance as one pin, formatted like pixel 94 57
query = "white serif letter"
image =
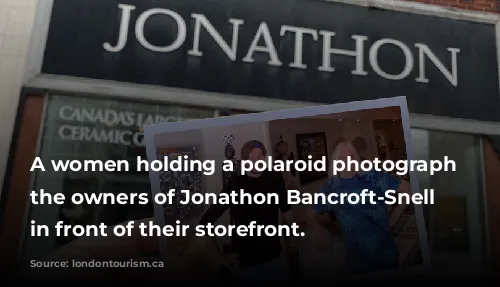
pixel 123 31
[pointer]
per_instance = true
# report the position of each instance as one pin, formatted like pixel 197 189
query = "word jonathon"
pixel 296 197
pixel 264 41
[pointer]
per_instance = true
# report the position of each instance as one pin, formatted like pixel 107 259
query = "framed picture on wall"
pixel 313 144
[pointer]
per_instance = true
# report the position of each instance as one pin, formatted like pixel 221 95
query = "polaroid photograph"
pixel 367 239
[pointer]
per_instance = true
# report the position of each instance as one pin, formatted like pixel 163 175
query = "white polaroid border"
pixel 151 130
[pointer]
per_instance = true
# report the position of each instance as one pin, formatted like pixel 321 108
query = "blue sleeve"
pixel 386 181
pixel 321 208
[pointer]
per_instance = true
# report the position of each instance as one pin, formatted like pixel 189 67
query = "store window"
pixel 90 128
pixel 455 223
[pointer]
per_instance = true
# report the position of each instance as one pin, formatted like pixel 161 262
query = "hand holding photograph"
pixel 360 239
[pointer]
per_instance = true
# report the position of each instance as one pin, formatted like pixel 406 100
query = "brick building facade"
pixel 489 6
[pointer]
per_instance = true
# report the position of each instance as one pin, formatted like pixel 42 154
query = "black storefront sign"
pixel 302 50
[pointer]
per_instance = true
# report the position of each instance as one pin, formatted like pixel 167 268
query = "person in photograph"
pixel 365 228
pixel 258 257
